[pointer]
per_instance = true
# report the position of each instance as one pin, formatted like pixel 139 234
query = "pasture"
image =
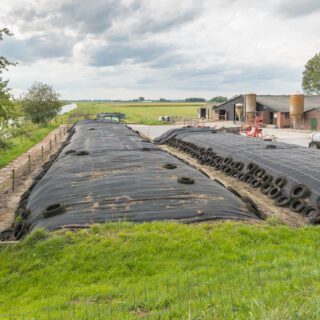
pixel 163 271
pixel 138 113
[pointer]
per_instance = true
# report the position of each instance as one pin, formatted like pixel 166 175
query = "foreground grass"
pixel 142 113
pixel 22 143
pixel 164 270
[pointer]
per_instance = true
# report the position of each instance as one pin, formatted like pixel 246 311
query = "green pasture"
pixel 163 271
pixel 138 113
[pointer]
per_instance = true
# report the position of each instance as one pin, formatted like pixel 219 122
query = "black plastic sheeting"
pixel 172 133
pixel 107 172
pixel 299 165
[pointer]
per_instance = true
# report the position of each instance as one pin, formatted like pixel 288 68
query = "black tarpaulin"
pixel 298 164
pixel 108 173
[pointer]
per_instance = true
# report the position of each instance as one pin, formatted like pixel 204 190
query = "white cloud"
pixel 168 48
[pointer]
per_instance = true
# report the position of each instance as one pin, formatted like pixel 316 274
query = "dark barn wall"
pixel 229 107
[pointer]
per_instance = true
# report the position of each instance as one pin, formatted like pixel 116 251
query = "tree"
pixel 195 100
pixel 5 102
pixel 41 103
pixel 311 76
pixel 219 99
pixel 141 99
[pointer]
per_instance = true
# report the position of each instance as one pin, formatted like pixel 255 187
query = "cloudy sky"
pixel 124 49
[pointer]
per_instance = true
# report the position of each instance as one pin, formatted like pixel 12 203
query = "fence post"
pixel 13 177
pixel 50 144
pixel 60 134
pixel 42 152
pixel 29 162
pixel 55 138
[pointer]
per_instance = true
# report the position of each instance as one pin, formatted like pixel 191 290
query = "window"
pixel 287 115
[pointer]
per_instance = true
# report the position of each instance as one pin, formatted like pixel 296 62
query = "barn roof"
pixel 280 103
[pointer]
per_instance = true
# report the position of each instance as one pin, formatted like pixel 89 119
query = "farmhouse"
pixel 296 110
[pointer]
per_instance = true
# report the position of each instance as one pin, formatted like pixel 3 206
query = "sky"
pixel 174 49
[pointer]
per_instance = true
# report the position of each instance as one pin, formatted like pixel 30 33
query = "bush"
pixel 5 144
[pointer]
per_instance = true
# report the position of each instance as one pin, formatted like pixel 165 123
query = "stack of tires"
pixel 296 198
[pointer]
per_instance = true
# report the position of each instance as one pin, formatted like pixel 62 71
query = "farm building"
pixel 284 111
pixel 206 111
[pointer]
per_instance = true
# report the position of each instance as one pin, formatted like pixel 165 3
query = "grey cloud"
pixel 167 22
pixel 93 17
pixel 223 78
pixel 86 17
pixel 35 48
pixel 119 22
pixel 98 16
pixel 115 54
pixel 169 60
pixel 293 9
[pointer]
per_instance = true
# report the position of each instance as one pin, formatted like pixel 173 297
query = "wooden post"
pixel 29 162
pixel 55 138
pixel 13 178
pixel 50 144
pixel 42 152
pixel 60 134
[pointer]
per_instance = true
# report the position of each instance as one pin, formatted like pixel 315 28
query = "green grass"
pixel 127 271
pixel 22 143
pixel 143 113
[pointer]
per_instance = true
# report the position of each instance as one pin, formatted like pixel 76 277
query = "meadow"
pixel 138 113
pixel 25 137
pixel 163 271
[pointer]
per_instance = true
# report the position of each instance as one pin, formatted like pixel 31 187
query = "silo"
pixel 239 110
pixel 251 104
pixel 296 109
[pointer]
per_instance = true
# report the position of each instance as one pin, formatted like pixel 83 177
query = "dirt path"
pixel 264 203
pixel 26 167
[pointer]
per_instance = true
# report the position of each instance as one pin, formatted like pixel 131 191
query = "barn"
pixel 279 110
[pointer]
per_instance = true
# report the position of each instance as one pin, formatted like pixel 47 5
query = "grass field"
pixel 164 271
pixel 22 143
pixel 142 113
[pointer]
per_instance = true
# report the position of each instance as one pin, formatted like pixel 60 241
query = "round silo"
pixel 251 104
pixel 239 110
pixel 296 109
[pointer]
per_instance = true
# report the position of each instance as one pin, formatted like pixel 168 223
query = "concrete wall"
pixel 308 116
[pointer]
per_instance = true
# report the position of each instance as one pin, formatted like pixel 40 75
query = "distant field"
pixel 140 113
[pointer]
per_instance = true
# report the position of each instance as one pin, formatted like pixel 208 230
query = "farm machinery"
pixel 315 140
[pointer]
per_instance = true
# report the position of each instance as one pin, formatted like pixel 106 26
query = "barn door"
pixel 314 124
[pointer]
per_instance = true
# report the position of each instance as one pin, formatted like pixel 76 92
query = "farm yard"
pixel 154 165
pixel 262 265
